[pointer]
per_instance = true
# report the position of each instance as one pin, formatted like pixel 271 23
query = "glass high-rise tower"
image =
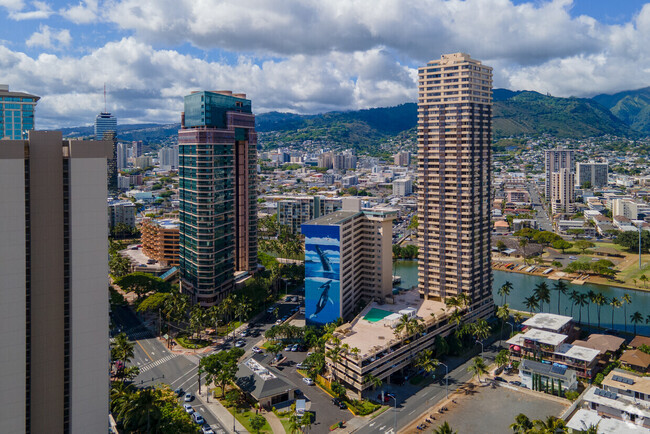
pixel 217 193
pixel 16 113
pixel 454 157
pixel 106 129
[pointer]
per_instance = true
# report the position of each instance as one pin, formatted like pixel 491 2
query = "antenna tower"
pixel 105 98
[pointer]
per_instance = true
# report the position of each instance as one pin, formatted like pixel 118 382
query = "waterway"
pixel 523 285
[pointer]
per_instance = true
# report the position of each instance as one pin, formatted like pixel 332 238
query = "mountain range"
pixel 515 113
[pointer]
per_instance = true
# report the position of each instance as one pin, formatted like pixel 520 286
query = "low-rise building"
pixel 265 385
pixel 608 403
pixel 517 196
pixel 636 359
pixel 583 419
pixel 553 376
pixel 160 240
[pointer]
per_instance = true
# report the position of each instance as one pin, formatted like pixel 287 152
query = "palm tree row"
pixel 552 425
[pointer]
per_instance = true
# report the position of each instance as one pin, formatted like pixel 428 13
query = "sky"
pixel 305 56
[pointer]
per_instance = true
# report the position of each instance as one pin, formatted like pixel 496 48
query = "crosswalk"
pixel 152 365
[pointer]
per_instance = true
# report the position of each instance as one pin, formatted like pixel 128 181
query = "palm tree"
pixel 600 301
pixel 643 278
pixel 426 361
pixel 561 287
pixel 503 313
pixel 574 297
pixel 583 300
pixel 523 242
pixel 518 317
pixel 542 294
pixel 456 317
pixel 521 424
pixel 615 303
pixel 143 412
pixel 551 425
pixel 626 300
pixel 504 291
pixel 636 318
pixel 374 381
pixel 444 429
pixel 531 303
pixel 477 368
pixel 591 295
pixel 481 329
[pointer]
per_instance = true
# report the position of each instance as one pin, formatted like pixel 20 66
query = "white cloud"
pixel 145 84
pixel 83 13
pixel 12 5
pixel 41 11
pixel 49 38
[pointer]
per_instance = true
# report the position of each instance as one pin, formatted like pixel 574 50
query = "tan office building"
pixel 160 240
pixel 454 158
pixel 54 309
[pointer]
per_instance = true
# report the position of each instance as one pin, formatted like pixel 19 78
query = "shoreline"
pixel 571 279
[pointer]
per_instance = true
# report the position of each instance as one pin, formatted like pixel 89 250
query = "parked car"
pixel 295 348
pixel 501 379
pixel 278 322
pixel 257 350
pixel 188 397
pixel 287 348
pixel 288 298
pixel 573 258
pixel 302 366
pixel 206 429
pixel 308 381
pixel 179 392
pixel 198 418
pixel 270 309
pixel 386 398
pixel 516 383
pixel 240 343
pixel 340 404
pixel 244 333
pixel 188 408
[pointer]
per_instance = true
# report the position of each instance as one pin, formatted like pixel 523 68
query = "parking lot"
pixel 497 408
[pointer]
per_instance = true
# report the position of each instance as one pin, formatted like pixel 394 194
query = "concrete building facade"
pixel 554 160
pixel 454 163
pixel 16 113
pixel 403 187
pixel 293 211
pixel 160 240
pixel 562 191
pixel 402 158
pixel 54 314
pixel 593 173
pixel 121 211
pixel 217 193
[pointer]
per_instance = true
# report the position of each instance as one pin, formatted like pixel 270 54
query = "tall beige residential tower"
pixel 454 158
pixel 54 309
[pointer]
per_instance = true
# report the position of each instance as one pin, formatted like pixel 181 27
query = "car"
pixel 244 333
pixel 270 309
pixel 501 379
pixel 198 418
pixel 308 381
pixel 284 318
pixel 340 404
pixel 188 409
pixel 257 350
pixel 386 398
pixel 302 366
pixel 288 299
pixel 295 298
pixel 287 348
pixel 278 322
pixel 240 343
pixel 295 348
pixel 179 392
pixel 188 397
pixel 279 357
pixel 516 383
pixel 573 258
pixel 206 429
pixel 310 353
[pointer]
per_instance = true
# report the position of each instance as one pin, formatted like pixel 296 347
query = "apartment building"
pixel 454 163
pixel 293 211
pixel 403 187
pixel 402 158
pixel 348 258
pixel 160 240
pixel 121 211
pixel 217 193
pixel 554 160
pixel 54 310
pixel 593 173
pixel 562 191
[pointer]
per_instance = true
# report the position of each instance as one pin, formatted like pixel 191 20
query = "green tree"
pixel 374 381
pixel 521 425
pixel 615 303
pixel 551 425
pixel 626 299
pixel 141 283
pixel 504 290
pixel 531 303
pixel 561 287
pixel 220 368
pixel 583 245
pixel 600 300
pixel 426 361
pixel 444 429
pixel 477 368
pixel 503 313
pixel 502 359
pixel 481 329
pixel 542 294
pixel 643 278
pixel 119 265
pixel 257 422
pixel 561 245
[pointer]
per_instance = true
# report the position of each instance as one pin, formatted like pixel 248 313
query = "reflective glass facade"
pixel 16 113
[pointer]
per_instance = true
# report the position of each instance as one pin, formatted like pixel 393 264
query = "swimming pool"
pixel 375 314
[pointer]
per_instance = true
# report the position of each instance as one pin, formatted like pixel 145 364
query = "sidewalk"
pixel 221 413
pixel 274 421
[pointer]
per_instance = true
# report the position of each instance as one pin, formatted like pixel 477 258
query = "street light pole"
pixel 479 342
pixel 446 379
pixel 395 412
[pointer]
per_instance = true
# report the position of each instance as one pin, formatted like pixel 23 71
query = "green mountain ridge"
pixel 631 106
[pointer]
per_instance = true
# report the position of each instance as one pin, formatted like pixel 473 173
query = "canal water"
pixel 523 285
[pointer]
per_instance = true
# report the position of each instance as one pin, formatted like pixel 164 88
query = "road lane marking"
pixel 411 412
pixel 145 351
pixel 179 378
pixel 152 365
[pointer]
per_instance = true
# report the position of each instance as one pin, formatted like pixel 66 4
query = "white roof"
pixel 620 402
pixel 544 337
pixel 577 352
pixel 583 419
pixel 547 321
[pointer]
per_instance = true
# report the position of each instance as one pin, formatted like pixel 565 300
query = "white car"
pixel 188 397
pixel 257 350
pixel 188 408
pixel 308 381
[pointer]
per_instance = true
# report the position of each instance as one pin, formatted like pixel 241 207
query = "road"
pixel 414 405
pixel 160 366
pixel 541 215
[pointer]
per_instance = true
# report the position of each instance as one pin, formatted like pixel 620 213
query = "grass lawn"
pixel 286 424
pixel 186 342
pixel 244 419
pixel 223 331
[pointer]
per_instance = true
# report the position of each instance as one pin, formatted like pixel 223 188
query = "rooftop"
pixel 556 370
pixel 602 343
pixel 548 321
pixel 616 401
pixel 636 358
pixel 373 337
pixel 620 379
pixel 577 352
pixel 4 91
pixel 260 381
pixel 541 336
pixel 583 419
pixel 640 340
pixel 333 219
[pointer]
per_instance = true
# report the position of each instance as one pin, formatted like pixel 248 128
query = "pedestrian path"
pixel 274 423
pixel 153 364
pixel 225 418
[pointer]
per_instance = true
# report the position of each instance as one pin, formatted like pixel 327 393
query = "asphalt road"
pixel 422 401
pixel 541 216
pixel 160 366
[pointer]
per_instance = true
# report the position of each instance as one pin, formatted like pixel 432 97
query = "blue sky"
pixel 305 56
